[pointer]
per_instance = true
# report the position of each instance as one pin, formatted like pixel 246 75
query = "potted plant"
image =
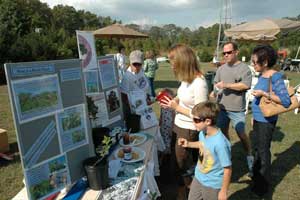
pixel 96 167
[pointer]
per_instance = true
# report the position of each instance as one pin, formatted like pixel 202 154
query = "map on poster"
pixel 51 122
pixel 86 49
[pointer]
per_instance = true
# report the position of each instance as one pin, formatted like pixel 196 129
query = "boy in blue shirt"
pixel 213 170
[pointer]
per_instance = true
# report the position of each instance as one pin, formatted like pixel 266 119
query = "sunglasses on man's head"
pixel 137 64
pixel 228 52
pixel 198 120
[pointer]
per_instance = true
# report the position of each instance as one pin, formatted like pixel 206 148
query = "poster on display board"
pixel 50 116
pixel 86 49
pixel 107 69
pixel 103 94
pixel 92 85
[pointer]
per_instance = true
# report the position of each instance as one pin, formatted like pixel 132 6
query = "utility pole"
pixel 224 23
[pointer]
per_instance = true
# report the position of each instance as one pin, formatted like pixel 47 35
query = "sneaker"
pixel 250 160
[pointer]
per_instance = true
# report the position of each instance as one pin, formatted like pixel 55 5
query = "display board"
pixel 50 115
pixel 103 94
pixel 101 84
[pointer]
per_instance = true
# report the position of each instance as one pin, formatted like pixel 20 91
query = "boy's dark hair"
pixel 265 53
pixel 206 110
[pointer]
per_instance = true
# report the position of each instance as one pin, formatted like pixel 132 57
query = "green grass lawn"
pixel 285 148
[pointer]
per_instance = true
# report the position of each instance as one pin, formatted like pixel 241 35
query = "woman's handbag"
pixel 270 108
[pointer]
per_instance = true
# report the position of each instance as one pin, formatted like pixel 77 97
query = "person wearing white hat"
pixel 134 78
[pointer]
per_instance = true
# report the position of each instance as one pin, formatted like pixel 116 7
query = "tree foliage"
pixel 31 31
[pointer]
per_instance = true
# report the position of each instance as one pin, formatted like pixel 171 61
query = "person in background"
pixel 213 171
pixel 264 58
pixel 134 77
pixel 150 66
pixel 234 79
pixel 192 90
pixel 121 61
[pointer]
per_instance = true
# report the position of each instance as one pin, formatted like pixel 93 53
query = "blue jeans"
pixel 237 118
pixel 151 83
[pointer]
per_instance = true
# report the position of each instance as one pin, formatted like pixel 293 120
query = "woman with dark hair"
pixel 192 90
pixel 264 58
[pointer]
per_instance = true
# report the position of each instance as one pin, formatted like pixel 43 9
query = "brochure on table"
pixel 138 105
pixel 51 121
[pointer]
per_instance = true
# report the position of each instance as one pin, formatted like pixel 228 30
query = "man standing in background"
pixel 234 79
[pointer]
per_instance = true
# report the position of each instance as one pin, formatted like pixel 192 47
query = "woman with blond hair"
pixel 192 90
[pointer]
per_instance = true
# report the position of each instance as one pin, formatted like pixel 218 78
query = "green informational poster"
pixel 51 120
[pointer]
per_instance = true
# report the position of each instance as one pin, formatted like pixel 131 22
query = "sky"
pixel 184 13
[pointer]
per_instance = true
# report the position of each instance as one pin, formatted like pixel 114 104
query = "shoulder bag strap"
pixel 270 84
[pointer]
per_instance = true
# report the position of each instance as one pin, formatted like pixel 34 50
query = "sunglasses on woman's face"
pixel 198 120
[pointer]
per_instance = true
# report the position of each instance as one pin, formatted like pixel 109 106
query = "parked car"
pixel 162 59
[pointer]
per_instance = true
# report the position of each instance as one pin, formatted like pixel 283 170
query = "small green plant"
pixel 103 150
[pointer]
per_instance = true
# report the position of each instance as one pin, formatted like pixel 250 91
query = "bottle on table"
pixel 126 138
pixel 127 153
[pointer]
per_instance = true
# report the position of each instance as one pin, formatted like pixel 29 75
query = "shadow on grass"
pixel 166 84
pixel 239 166
pixel 284 162
pixel 277 135
pixel 239 163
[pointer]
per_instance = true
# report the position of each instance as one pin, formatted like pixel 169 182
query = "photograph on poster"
pixel 137 100
pixel 107 72
pixel 33 154
pixel 112 100
pixel 86 49
pixel 72 127
pixel 47 178
pixel 36 97
pixel 91 82
pixel 97 109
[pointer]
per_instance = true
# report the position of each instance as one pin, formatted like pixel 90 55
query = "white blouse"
pixel 189 95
